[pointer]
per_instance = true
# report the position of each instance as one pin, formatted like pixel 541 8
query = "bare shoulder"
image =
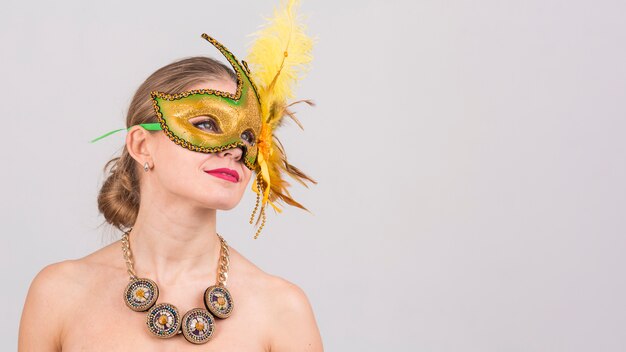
pixel 46 299
pixel 293 326
pixel 296 327
pixel 50 297
pixel 76 273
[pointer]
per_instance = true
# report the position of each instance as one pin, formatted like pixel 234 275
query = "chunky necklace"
pixel 163 319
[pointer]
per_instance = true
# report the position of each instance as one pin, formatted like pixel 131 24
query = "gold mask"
pixel 236 117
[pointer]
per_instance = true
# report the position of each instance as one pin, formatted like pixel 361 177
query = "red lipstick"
pixel 224 173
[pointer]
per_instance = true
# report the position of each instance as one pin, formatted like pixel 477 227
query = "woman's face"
pixel 183 173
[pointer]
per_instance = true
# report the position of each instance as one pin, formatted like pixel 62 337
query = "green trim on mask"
pixel 153 126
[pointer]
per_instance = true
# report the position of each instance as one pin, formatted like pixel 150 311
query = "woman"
pixel 163 192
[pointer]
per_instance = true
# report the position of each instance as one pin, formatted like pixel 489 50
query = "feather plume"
pixel 281 53
pixel 278 58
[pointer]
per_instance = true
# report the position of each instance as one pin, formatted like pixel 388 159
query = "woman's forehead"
pixel 221 84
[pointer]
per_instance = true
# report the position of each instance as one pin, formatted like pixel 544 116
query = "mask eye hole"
pixel 205 123
pixel 248 137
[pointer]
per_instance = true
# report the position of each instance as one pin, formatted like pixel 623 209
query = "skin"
pixel 77 305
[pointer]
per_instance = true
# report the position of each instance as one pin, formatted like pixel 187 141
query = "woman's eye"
pixel 248 136
pixel 207 125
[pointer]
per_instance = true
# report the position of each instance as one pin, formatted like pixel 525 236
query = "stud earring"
pixel 146 167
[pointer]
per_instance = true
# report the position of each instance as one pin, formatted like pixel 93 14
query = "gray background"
pixel 470 158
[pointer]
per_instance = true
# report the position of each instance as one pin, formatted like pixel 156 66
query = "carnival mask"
pixel 234 119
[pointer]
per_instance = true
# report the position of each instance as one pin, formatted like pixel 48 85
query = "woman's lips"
pixel 223 173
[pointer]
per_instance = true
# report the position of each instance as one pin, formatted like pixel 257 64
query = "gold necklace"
pixel 163 319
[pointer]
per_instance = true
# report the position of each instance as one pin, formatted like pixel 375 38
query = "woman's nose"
pixel 234 153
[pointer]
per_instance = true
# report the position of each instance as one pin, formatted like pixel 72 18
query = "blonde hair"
pixel 119 196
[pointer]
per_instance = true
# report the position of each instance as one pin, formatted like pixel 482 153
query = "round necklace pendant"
pixel 218 300
pixel 198 325
pixel 163 320
pixel 141 294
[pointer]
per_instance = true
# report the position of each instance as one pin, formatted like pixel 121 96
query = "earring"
pixel 146 167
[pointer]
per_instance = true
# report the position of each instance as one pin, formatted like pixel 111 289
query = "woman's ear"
pixel 138 144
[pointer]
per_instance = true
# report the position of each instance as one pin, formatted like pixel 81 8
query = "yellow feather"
pixel 280 55
pixel 278 59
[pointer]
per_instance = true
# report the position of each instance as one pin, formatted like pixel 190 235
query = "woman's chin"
pixel 219 204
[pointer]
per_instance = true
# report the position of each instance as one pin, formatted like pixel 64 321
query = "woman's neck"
pixel 174 241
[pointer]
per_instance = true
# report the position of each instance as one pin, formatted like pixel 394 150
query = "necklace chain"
pixel 222 272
